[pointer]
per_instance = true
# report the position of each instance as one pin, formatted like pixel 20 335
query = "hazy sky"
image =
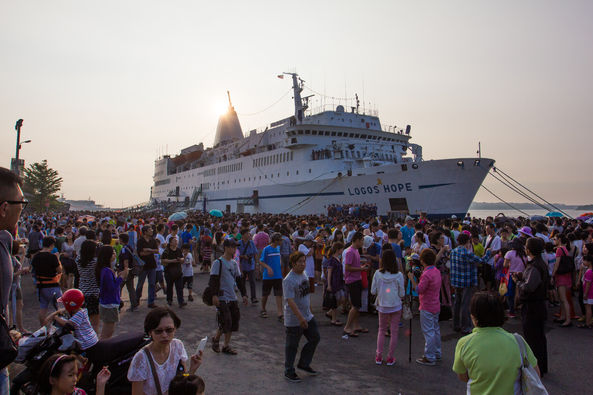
pixel 102 85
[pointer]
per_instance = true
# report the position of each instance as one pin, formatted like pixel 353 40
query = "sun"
pixel 220 108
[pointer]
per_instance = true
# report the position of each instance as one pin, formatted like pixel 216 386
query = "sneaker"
pixel 378 360
pixel 309 370
pixel 190 298
pixel 390 362
pixel 292 377
pixel 424 361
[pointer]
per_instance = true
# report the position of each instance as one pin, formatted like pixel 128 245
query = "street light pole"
pixel 18 126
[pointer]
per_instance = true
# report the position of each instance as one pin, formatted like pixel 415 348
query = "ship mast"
pixel 297 87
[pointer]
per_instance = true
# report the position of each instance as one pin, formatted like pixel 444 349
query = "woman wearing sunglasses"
pixel 154 366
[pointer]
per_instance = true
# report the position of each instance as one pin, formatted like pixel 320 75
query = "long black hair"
pixel 88 251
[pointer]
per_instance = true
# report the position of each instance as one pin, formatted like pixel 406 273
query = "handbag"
pixel 530 382
pixel 503 288
pixel 406 310
pixel 566 264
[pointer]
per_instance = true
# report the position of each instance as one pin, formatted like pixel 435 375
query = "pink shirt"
pixel 261 240
pixel 516 265
pixel 352 258
pixel 588 278
pixel 429 288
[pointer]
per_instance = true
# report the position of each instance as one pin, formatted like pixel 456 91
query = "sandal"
pixel 216 346
pixel 584 326
pixel 337 323
pixel 228 350
pixel 263 314
pixel 362 330
pixel 350 334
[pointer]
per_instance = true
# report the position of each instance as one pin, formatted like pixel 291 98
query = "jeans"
pixel 429 322
pixel 511 295
pixel 178 283
pixel 4 382
pixel 129 284
pixel 250 274
pixel 151 273
pixel 293 336
pixel 461 315
pixel 386 320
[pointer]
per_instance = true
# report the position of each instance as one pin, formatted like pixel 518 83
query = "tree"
pixel 42 185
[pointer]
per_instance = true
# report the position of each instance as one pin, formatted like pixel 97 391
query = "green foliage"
pixel 42 185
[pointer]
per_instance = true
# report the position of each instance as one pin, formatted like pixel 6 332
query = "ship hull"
pixel 439 188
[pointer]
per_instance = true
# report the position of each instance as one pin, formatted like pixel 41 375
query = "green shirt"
pixel 479 249
pixel 492 360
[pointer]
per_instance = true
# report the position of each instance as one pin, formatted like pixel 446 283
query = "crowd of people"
pixel 352 210
pixel 477 272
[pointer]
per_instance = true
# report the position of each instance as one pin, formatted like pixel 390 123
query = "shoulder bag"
pixel 531 384
pixel 155 375
pixel 566 264
pixel 208 294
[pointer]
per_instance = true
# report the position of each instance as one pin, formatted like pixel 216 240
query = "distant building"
pixel 82 205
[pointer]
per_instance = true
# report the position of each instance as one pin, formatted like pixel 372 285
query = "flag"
pixel 281 76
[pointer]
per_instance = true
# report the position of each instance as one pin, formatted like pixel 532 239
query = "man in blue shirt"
pixel 408 231
pixel 272 275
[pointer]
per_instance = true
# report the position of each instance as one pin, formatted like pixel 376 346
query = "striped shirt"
pixel 88 282
pixel 83 331
pixel 464 272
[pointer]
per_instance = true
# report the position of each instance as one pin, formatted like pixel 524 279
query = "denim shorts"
pixel 46 295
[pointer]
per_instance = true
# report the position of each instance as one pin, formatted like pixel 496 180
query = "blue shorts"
pixel 46 295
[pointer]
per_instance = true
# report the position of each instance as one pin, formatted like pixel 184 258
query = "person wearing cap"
pixel 147 247
pixel 224 275
pixel 272 275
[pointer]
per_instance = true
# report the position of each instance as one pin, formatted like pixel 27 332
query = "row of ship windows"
pixel 273 159
pixel 339 134
pixel 230 168
pixel 206 186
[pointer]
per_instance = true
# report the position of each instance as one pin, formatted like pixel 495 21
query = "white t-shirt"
pixel 309 261
pixel 187 266
pixel 496 245
pixel 140 368
pixel 161 238
pixel 170 235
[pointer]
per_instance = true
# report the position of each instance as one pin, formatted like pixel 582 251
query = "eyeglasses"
pixel 23 203
pixel 169 331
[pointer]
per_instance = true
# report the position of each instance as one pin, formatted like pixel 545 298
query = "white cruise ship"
pixel 306 162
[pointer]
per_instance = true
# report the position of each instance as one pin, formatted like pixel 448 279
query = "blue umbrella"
pixel 216 213
pixel 554 214
pixel 537 218
pixel 178 216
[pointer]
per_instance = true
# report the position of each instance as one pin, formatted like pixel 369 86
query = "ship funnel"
pixel 228 128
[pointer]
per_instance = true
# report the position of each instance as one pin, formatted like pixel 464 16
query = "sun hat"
pixel 526 230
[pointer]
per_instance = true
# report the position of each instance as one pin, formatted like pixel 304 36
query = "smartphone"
pixel 202 344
